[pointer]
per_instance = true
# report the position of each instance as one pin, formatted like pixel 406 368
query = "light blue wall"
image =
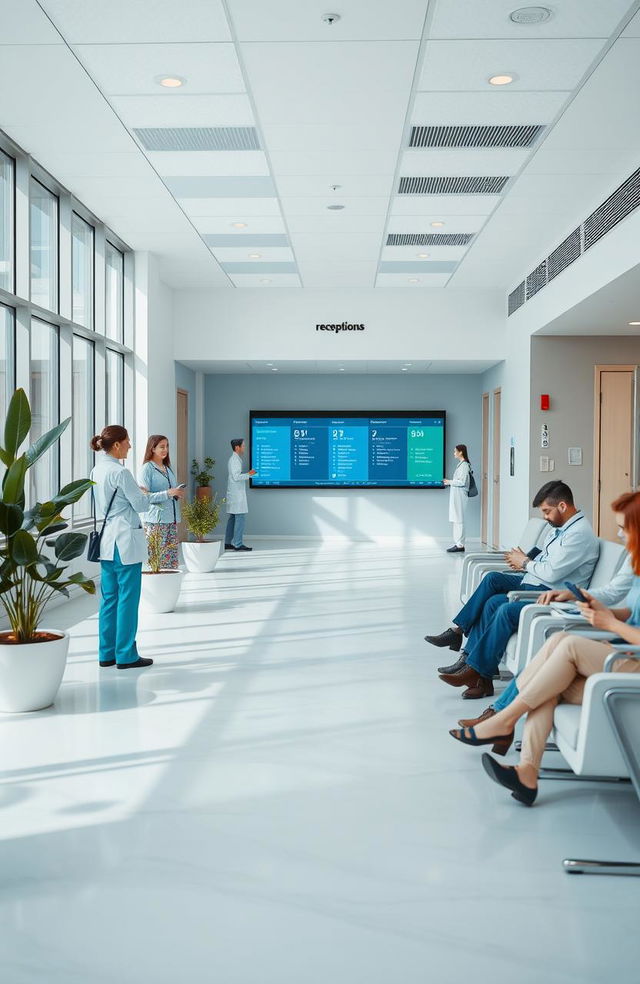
pixel 186 380
pixel 333 512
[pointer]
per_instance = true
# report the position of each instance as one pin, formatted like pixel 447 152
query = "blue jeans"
pixel 120 586
pixel 508 694
pixel 235 529
pixel 489 619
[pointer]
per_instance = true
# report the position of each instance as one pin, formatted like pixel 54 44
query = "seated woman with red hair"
pixel 559 672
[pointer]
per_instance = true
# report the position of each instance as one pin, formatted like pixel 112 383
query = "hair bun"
pixel 96 442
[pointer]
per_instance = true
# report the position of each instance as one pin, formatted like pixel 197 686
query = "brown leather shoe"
pixel 471 722
pixel 463 678
pixel 480 688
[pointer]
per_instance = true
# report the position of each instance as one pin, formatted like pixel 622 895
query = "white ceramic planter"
pixel 201 558
pixel 160 592
pixel 31 673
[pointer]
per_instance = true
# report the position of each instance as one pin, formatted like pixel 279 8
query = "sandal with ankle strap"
pixel 501 743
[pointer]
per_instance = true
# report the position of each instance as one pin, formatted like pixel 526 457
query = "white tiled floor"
pixel 277 801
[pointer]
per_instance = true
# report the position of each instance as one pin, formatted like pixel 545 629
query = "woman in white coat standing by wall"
pixel 459 497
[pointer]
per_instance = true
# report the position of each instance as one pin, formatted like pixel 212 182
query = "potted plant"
pixel 201 517
pixel 160 586
pixel 33 658
pixel 202 477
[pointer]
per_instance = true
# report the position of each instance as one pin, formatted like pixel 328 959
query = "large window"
pixel 114 293
pixel 82 416
pixel 7 177
pixel 7 358
pixel 44 368
pixel 44 246
pixel 115 388
pixel 82 237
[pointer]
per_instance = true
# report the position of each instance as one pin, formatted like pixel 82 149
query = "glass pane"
pixel 44 406
pixel 82 420
pixel 82 270
pixel 114 293
pixel 7 374
pixel 6 221
pixel 115 388
pixel 44 246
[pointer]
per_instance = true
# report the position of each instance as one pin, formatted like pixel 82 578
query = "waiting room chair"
pixel 476 565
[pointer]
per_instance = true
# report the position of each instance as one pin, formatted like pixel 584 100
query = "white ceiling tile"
pixel 240 253
pixel 258 281
pixel 340 277
pixel 23 22
pixel 98 165
pixel 221 224
pixel 498 162
pixel 404 280
pixel 439 206
pixel 233 208
pixel 324 82
pixel 130 187
pixel 335 161
pixel 350 185
pixel 336 224
pixel 184 110
pixel 598 160
pixel 570 19
pixel 422 223
pixel 314 138
pixel 633 29
pixel 356 247
pixel 494 106
pixel 319 206
pixel 433 253
pixel 290 20
pixel 539 65
pixel 126 21
pixel 213 163
pixel 131 69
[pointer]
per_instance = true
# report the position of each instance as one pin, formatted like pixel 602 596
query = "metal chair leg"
pixel 575 866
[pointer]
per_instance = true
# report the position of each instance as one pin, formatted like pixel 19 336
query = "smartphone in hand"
pixel 182 485
pixel 575 591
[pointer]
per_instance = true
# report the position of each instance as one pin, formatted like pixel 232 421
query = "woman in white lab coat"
pixel 458 497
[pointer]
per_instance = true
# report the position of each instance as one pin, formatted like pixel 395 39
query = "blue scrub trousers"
pixel 235 529
pixel 489 619
pixel 120 586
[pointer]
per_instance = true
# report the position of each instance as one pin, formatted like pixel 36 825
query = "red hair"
pixel 629 505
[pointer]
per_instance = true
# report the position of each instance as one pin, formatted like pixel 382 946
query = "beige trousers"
pixel 557 673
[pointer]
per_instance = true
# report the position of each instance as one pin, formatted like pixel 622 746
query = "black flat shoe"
pixel 242 548
pixel 449 638
pixel 141 661
pixel 455 667
pixel 501 743
pixel 107 662
pixel 455 549
pixel 229 546
pixel 508 777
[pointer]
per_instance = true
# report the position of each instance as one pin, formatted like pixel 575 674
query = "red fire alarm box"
pixel 544 401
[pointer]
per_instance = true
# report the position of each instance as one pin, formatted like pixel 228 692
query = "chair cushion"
pixel 566 721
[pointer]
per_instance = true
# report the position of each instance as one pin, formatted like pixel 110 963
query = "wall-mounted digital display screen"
pixel 399 449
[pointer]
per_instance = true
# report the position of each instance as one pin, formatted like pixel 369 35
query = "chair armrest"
pixel 620 651
pixel 524 595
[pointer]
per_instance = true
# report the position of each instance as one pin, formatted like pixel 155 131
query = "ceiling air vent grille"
pixel 537 279
pixel 452 186
pixel 429 239
pixel 564 254
pixel 474 136
pixel 617 206
pixel 517 298
pixel 185 138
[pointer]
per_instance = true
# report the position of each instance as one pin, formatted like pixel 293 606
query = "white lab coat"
pixel 458 497
pixel 237 486
pixel 122 528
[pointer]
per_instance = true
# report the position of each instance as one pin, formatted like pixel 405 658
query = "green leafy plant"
pixel 202 516
pixel 154 549
pixel 29 578
pixel 202 476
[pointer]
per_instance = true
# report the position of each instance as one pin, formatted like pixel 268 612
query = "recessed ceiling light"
pixel 170 81
pixel 423 256
pixel 501 79
pixel 274 369
pixel 437 225
pixel 341 369
pixel 269 363
pixel 404 369
pixel 265 280
pixel 413 280
pixel 255 256
pixel 408 363
pixel 633 323
pixel 335 208
pixel 530 15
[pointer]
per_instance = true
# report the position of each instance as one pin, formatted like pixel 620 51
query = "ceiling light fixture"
pixel 265 280
pixel 404 369
pixel 335 208
pixel 437 225
pixel 170 81
pixel 530 15
pixel 341 369
pixel 274 369
pixel 269 364
pixel 255 256
pixel 501 79
pixel 633 323
pixel 413 280
pixel 239 225
pixel 423 256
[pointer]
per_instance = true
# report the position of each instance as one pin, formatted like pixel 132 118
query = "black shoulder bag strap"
pixel 93 550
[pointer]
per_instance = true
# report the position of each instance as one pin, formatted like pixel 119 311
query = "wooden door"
pixel 484 481
pixel 182 442
pixel 495 498
pixel 614 438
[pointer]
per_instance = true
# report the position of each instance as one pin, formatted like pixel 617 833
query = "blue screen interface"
pixel 398 449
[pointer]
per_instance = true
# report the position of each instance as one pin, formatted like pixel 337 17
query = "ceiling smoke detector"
pixel 330 19
pixel 335 208
pixel 530 15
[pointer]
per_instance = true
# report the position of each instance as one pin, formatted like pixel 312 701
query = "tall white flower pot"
pixel 160 592
pixel 31 672
pixel 201 558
